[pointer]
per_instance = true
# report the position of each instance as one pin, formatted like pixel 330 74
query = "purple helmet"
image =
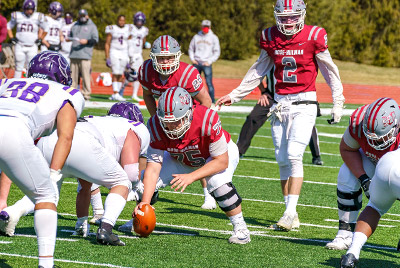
pixel 69 17
pixel 139 17
pixel 55 7
pixel 52 66
pixel 29 4
pixel 127 110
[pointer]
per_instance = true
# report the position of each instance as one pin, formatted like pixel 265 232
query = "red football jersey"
pixel 356 131
pixel 295 65
pixel 187 77
pixel 193 148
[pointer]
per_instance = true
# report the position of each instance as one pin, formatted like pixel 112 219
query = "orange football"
pixel 145 221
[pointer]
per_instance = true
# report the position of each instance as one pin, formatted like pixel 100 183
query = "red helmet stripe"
pixel 162 43
pixel 374 112
pixel 171 100
pixel 166 106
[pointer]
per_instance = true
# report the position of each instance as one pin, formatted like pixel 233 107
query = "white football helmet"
pixel 165 45
pixel 175 105
pixel 381 123
pixel 290 15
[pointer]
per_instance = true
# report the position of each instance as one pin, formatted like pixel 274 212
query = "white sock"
pixel 46 262
pixel 135 88
pixel 119 84
pixel 292 204
pixel 45 222
pixel 17 74
pixel 115 87
pixel 344 233
pixel 358 242
pixel 238 221
pixel 285 198
pixel 97 204
pixel 80 221
pixel 122 89
pixel 114 205
pixel 206 193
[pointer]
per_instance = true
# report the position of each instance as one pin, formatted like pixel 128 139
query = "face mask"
pixel 83 19
pixel 205 29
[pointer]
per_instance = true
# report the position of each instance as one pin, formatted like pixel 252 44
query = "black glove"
pixel 365 182
pixel 14 40
pixel 55 47
pixel 38 42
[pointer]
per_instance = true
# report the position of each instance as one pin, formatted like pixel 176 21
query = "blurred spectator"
pixel 204 50
pixel 3 35
pixel 66 29
pixel 84 36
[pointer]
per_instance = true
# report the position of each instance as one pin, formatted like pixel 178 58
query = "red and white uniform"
pixel 204 139
pixel 296 62
pixel 186 77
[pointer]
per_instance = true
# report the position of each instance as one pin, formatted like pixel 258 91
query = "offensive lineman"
pixel 29 31
pixel 187 144
pixel 116 49
pixel 297 51
pixel 31 108
pixel 372 132
pixel 53 36
pixel 135 51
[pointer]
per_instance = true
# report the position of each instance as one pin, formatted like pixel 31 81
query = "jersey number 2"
pixel 289 69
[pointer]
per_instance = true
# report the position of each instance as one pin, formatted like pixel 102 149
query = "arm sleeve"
pixel 216 50
pixel 253 77
pixel 330 72
pixel 349 140
pixel 218 147
pixel 191 49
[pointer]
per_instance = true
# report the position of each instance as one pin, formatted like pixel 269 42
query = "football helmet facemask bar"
pixel 381 123
pixel 290 16
pixel 175 107
pixel 165 45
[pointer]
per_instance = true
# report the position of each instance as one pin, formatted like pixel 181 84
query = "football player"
pixel 187 144
pixel 29 30
pixel 116 49
pixel 372 132
pixel 66 29
pixel 297 51
pixel 384 191
pixel 164 70
pixel 139 33
pixel 52 35
pixel 105 150
pixel 32 108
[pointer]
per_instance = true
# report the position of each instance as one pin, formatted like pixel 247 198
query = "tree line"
pixel 363 31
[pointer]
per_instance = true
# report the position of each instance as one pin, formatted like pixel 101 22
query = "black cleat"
pixel 317 161
pixel 108 238
pixel 348 261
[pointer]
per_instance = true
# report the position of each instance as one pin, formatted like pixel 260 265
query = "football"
pixel 144 221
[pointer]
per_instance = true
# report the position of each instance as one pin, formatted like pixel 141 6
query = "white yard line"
pixel 380 225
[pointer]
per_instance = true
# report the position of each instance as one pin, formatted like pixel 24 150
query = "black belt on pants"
pixel 305 102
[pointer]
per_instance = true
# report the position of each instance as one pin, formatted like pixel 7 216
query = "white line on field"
pixel 380 225
pixel 272 149
pixel 66 261
pixel 5 242
pixel 132 237
pixel 274 162
pixel 276 179
pixel 34 236
pixel 329 135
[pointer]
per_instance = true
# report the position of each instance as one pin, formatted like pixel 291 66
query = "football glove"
pixel 14 40
pixel 55 47
pixel 38 42
pixel 365 182
pixel 108 63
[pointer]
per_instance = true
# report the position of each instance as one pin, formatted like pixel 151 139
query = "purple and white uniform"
pixel 52 27
pixel 136 45
pixel 118 47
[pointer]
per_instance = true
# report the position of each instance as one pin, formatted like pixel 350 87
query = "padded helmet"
pixel 52 66
pixel 139 17
pixel 175 105
pixel 381 123
pixel 130 74
pixel 29 4
pixel 55 7
pixel 126 110
pixel 69 17
pixel 165 45
pixel 290 15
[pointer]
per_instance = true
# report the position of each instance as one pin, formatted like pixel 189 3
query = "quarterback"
pixel 53 36
pixel 296 51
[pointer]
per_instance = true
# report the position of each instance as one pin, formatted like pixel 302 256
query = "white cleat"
pixel 117 97
pixel 96 219
pixel 132 196
pixel 286 222
pixel 295 224
pixel 209 203
pixel 82 229
pixel 240 236
pixel 127 227
pixel 340 243
pixel 136 98
pixel 8 222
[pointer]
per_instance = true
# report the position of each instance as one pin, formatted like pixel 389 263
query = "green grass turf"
pixel 187 236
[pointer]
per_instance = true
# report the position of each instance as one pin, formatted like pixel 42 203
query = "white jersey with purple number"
pixel 114 131
pixel 66 46
pixel 27 27
pixel 119 36
pixel 53 27
pixel 37 102
pixel 136 42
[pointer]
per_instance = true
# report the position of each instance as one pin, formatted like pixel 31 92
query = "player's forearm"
pixel 150 103
pixel 149 181
pixel 215 166
pixel 353 160
pixel 10 33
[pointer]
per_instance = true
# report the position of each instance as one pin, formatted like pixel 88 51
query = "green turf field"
pixel 187 236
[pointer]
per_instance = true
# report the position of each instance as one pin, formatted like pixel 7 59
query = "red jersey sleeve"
pixel 143 74
pixel 320 40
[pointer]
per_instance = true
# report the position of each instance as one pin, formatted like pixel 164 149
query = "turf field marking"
pixel 274 162
pixel 272 149
pixel 270 137
pixel 380 225
pixel 276 179
pixel 131 237
pixel 63 260
pixel 34 236
pixel 5 242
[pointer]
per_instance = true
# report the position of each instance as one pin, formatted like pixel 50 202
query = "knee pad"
pixel 227 197
pixel 296 168
pixel 349 201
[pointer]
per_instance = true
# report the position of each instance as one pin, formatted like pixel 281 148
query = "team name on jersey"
pixel 289 52
pixel 372 157
pixel 187 148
